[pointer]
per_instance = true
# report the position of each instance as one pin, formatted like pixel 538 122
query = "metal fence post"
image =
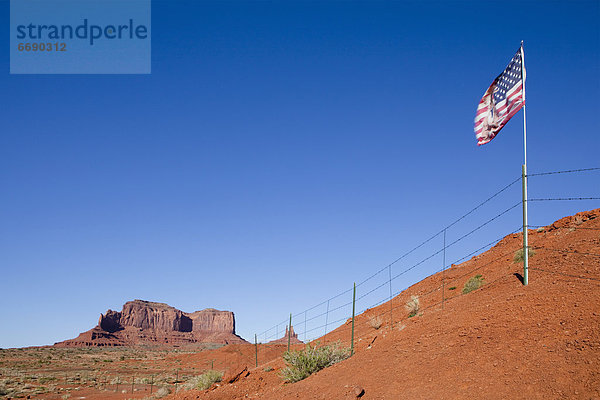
pixel 353 310
pixel 444 273
pixel 326 320
pixel 256 351
pixel 176 379
pixel 305 333
pixel 391 306
pixel 289 332
pixel 525 239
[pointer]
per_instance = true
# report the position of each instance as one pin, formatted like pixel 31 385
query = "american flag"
pixel 502 100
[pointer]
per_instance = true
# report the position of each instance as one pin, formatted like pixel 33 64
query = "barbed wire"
pixel 420 245
pixel 566 199
pixel 574 227
pixel 411 268
pixel 387 311
pixel 442 230
pixel 568 275
pixel 506 187
pixel 567 251
pixel 567 171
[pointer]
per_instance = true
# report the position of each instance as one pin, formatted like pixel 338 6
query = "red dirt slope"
pixel 501 341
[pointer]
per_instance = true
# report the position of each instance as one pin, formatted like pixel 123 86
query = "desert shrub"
pixel 46 379
pixel 518 257
pixel 300 364
pixel 159 394
pixel 268 369
pixel 401 326
pixel 204 381
pixel 375 322
pixel 413 306
pixel 452 288
pixel 473 283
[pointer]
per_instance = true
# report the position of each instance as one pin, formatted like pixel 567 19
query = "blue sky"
pixel 278 152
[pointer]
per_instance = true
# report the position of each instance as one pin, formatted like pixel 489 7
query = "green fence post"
pixel 525 239
pixel 444 273
pixel 289 332
pixel 353 309
pixel 391 298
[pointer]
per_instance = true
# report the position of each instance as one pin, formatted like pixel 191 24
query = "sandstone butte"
pixel 293 337
pixel 145 322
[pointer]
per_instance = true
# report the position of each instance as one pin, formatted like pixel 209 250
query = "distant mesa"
pixel 143 322
pixel 293 338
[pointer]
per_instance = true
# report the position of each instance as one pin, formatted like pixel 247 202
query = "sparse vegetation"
pixel 204 381
pixel 375 322
pixel 413 306
pixel 300 364
pixel 159 394
pixel 22 374
pixel 473 283
pixel 452 288
pixel 268 369
pixel 518 257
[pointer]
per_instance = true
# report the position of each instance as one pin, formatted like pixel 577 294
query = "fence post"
pixel 326 320
pixel 444 273
pixel 305 333
pixel 176 379
pixel 353 309
pixel 525 241
pixel 132 383
pixel 151 383
pixel 391 306
pixel 289 332
pixel 255 351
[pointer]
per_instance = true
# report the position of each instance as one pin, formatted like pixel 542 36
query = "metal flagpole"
pixel 524 176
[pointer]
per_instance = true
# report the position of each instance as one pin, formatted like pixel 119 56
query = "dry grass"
pixel 375 322
pixel 473 283
pixel 413 306
pixel 518 257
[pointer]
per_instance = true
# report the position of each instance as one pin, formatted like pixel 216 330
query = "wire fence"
pixel 161 382
pixel 467 236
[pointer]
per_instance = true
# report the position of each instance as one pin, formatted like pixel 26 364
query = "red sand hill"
pixel 502 341
pixel 145 322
